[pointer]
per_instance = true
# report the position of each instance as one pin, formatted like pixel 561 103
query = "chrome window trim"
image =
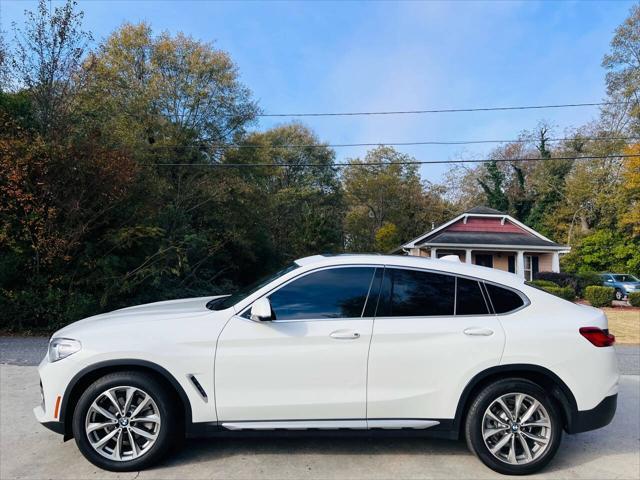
pixel 482 283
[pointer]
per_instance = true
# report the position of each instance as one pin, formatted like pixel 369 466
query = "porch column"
pixel 467 257
pixel 555 262
pixel 520 264
pixel 434 252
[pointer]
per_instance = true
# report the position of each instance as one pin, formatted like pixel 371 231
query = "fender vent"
pixel 199 388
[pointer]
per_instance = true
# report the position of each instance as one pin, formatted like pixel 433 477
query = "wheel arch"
pixel 89 374
pixel 544 377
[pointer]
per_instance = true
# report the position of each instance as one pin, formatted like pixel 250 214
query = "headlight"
pixel 60 348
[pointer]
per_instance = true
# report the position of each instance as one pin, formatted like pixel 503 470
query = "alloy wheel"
pixel 516 428
pixel 123 423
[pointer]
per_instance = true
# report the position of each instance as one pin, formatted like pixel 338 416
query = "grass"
pixel 624 324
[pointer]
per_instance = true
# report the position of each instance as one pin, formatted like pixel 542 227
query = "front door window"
pixel 330 293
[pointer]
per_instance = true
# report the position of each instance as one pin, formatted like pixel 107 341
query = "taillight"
pixel 597 336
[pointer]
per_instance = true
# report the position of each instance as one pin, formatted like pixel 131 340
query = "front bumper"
pixel 598 417
pixel 54 378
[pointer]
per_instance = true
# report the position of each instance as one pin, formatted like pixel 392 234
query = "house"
pixel 487 237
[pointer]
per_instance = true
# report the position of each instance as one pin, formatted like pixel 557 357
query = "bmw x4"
pixel 349 343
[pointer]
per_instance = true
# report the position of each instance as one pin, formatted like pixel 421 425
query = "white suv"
pixel 349 343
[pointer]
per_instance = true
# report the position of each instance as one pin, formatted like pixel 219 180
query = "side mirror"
pixel 261 310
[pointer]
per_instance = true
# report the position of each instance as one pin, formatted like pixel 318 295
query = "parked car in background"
pixel 622 282
pixel 345 343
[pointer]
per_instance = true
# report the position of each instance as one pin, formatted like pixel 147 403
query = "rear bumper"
pixel 598 417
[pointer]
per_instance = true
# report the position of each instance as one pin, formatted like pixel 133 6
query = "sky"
pixel 376 56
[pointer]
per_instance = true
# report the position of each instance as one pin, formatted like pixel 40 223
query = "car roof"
pixel 445 266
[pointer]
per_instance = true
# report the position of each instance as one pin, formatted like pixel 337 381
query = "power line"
pixel 379 144
pixel 440 110
pixel 408 112
pixel 373 164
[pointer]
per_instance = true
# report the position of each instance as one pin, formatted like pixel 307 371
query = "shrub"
pixel 587 279
pixel 578 282
pixel 544 284
pixel 634 299
pixel 567 293
pixel 599 296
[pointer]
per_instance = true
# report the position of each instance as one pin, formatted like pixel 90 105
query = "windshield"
pixel 226 302
pixel 624 278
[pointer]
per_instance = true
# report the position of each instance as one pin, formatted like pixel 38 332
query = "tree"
pixel 300 207
pixel 383 190
pixel 623 75
pixel 49 51
pixel 492 183
pixel 630 219
pixel 172 93
pixel 602 251
pixel 4 64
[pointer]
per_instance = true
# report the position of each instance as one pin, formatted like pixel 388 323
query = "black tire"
pixel 475 418
pixel 619 294
pixel 168 433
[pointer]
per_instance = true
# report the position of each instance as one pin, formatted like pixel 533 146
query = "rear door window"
pixel 412 293
pixel 469 298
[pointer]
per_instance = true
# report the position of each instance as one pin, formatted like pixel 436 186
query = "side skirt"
pixel 394 424
pixel 352 427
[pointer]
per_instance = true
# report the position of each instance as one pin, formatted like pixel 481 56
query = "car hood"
pixel 170 309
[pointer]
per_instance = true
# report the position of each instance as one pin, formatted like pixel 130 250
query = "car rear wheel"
pixel 619 294
pixel 513 427
pixel 124 421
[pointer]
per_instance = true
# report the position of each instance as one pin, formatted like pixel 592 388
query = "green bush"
pixel 567 293
pixel 577 282
pixel 587 279
pixel 544 284
pixel 634 299
pixel 599 296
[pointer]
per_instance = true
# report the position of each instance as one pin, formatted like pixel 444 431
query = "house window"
pixel 484 260
pixel 531 263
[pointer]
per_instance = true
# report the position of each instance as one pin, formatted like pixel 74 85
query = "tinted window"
pixel 332 293
pixel 226 302
pixel 503 300
pixel 410 293
pixel 374 291
pixel 469 299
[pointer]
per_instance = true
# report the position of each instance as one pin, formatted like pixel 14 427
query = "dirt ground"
pixel 624 323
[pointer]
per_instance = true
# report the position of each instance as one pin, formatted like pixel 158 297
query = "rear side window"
pixel 503 299
pixel 469 298
pixel 331 293
pixel 410 293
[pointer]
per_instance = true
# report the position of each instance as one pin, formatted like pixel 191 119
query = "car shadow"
pixel 575 450
pixel 205 450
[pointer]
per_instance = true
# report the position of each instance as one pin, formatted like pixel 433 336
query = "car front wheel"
pixel 619 294
pixel 124 421
pixel 514 427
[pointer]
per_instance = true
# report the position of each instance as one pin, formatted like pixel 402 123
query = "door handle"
pixel 478 332
pixel 344 335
